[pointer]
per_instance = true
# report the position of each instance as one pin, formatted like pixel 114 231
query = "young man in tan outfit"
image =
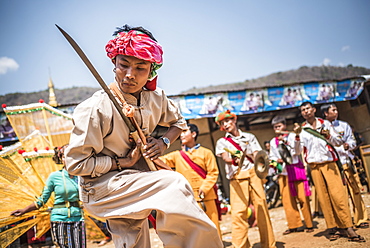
pixel 330 112
pixel 245 186
pixel 198 165
pixel 292 180
pixel 116 183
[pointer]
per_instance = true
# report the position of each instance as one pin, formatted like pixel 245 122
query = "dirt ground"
pixel 316 239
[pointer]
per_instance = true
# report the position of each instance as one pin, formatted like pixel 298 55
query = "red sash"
pixel 237 146
pixel 202 173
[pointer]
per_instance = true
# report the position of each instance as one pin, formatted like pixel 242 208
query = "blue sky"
pixel 204 42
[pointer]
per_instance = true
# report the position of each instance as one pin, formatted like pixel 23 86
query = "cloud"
pixel 345 48
pixel 7 64
pixel 326 61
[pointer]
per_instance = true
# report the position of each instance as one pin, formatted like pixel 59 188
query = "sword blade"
pixel 92 69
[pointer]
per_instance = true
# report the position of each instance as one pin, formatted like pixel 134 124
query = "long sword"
pixel 133 130
pixel 87 62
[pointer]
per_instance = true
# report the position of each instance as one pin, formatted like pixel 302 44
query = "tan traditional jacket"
pixel 100 132
pixel 205 159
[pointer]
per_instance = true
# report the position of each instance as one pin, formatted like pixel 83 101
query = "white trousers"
pixel 131 198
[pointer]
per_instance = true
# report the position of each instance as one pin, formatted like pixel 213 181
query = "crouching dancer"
pixel 116 182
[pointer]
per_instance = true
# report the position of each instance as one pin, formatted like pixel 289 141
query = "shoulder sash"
pixel 237 146
pixel 330 147
pixel 201 172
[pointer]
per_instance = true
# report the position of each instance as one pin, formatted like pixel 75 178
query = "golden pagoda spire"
pixel 52 97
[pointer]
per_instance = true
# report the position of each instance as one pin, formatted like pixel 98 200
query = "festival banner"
pixel 267 99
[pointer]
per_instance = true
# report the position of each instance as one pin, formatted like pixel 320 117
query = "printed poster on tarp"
pixel 349 89
pixel 255 101
pixel 183 106
pixel 321 92
pixel 286 97
pixel 214 104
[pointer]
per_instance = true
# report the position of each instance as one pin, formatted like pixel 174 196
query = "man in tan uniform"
pixel 245 186
pixel 198 165
pixel 116 183
pixel 292 180
pixel 330 112
pixel 320 156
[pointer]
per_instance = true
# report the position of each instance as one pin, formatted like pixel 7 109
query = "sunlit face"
pixel 228 124
pixel 131 73
pixel 279 127
pixel 187 136
pixel 308 111
pixel 332 113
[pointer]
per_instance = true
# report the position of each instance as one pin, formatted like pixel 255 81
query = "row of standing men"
pixel 326 146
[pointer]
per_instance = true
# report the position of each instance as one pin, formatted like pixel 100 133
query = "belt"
pixel 67 204
pixel 321 163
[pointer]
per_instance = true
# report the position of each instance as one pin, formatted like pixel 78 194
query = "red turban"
pixel 140 45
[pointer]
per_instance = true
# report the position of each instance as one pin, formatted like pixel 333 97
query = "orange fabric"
pixel 224 115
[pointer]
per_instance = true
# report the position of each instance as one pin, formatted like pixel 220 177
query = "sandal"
pixel 334 236
pixel 336 233
pixel 309 230
pixel 363 225
pixel 293 230
pixel 357 238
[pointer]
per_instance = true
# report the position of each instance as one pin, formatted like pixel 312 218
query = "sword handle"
pixel 150 163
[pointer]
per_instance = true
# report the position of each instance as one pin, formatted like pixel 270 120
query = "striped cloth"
pixel 69 234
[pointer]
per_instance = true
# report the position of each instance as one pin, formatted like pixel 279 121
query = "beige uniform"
pixel 289 201
pixel 207 161
pixel 126 198
pixel 326 176
pixel 246 188
pixel 352 179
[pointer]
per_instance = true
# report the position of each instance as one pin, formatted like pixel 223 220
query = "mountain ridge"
pixel 294 76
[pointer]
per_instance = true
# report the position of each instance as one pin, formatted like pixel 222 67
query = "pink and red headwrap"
pixel 140 45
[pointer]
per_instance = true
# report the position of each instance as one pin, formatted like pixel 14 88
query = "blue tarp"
pixel 268 99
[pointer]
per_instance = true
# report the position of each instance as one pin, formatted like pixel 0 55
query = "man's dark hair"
pixel 194 128
pixel 325 108
pixel 127 28
pixel 305 104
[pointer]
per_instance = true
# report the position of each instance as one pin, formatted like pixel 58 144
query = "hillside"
pixel 64 96
pixel 303 74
